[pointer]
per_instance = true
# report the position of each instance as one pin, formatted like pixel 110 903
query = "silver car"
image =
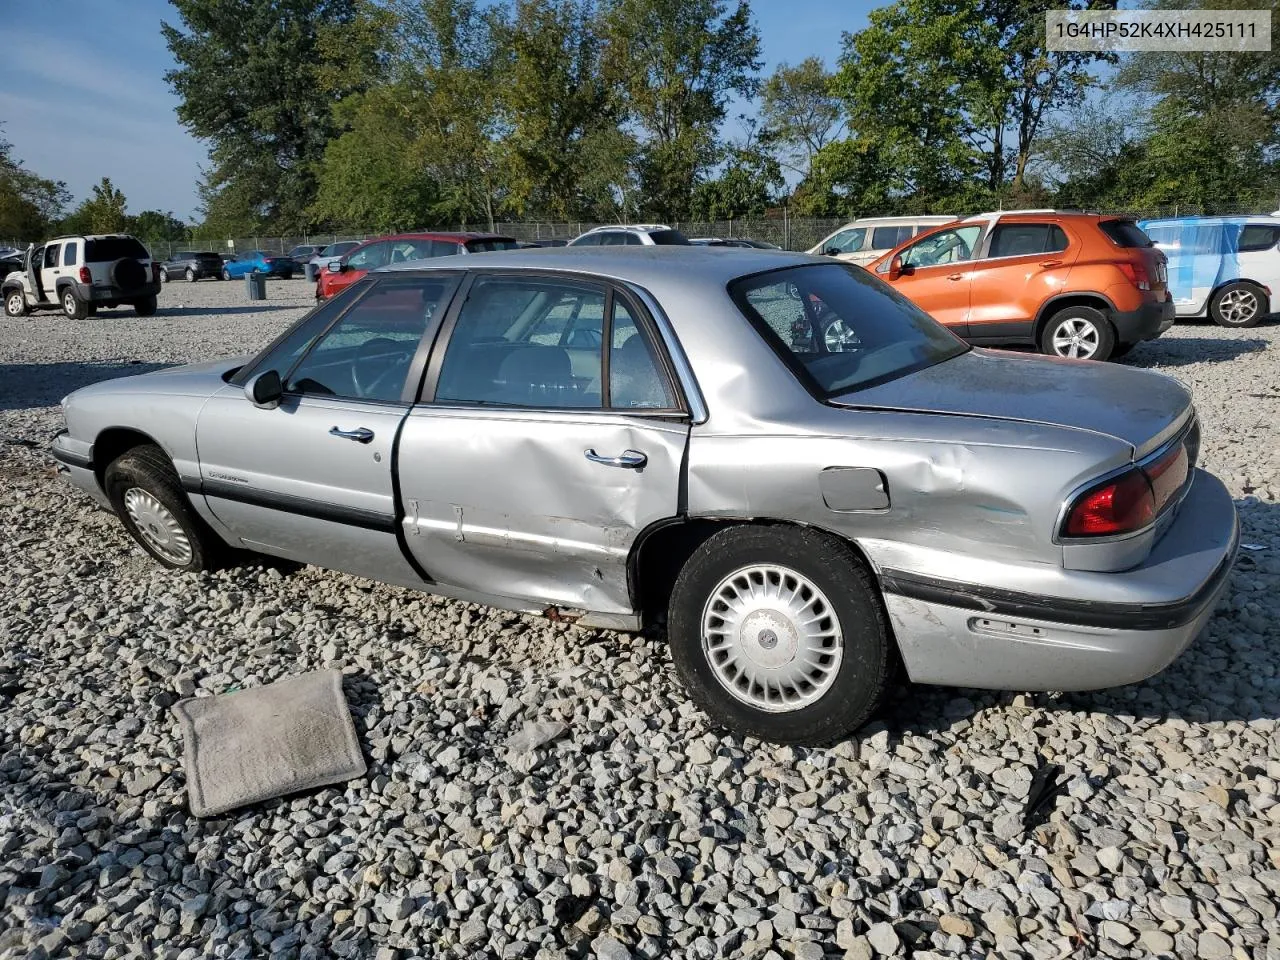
pixel 808 479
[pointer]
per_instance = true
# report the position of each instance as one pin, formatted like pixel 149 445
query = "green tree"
pixel 102 212
pixel 153 225
pixel 801 114
pixel 249 77
pixel 29 204
pixel 676 63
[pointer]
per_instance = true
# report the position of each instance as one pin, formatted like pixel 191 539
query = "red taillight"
pixel 85 275
pixel 1120 505
pixel 1136 272
pixel 1168 474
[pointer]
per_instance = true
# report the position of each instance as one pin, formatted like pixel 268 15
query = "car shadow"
pixel 1228 673
pixel 1182 351
pixel 24 386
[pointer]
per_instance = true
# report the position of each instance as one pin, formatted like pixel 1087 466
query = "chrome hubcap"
pixel 771 638
pixel 1075 338
pixel 1238 306
pixel 157 526
pixel 69 304
pixel 15 303
pixel 838 338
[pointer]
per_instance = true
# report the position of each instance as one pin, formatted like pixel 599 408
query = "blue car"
pixel 1226 268
pixel 257 261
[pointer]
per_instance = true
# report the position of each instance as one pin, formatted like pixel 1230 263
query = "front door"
pixel 937 274
pixel 312 479
pixel 552 436
pixel 1026 265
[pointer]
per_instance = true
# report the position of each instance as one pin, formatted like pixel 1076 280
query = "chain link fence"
pixel 787 232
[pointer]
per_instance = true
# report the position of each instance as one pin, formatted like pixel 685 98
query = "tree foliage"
pixel 801 114
pixel 29 204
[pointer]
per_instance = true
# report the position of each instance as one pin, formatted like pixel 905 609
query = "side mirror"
pixel 265 390
pixel 896 269
pixel 336 266
pixel 829 251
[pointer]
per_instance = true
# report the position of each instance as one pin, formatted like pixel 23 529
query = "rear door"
pixel 1024 265
pixel 551 434
pixel 1258 256
pixel 313 479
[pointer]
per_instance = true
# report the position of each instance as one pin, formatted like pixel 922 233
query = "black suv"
pixel 191 267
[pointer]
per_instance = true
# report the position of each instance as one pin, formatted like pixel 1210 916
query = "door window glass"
pixel 1257 236
pixel 886 238
pixel 1026 239
pixel 846 241
pixel 635 378
pixel 945 246
pixel 285 354
pixel 69 254
pixel 367 354
pixel 402 251
pixel 51 255
pixel 366 258
pixel 527 342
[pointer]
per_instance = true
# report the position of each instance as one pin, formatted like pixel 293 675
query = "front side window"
pixel 886 238
pixel 587 240
pixel 69 254
pixel 51 255
pixel 367 258
pixel 285 353
pixel 846 241
pixel 945 246
pixel 1256 236
pixel 366 355
pixel 1025 239
pixel 839 329
pixel 526 342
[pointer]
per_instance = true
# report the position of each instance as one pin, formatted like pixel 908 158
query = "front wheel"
pixel 1080 333
pixel 191 275
pixel 226 274
pixel 147 496
pixel 164 275
pixel 287 275
pixel 15 303
pixel 778 633
pixel 1236 305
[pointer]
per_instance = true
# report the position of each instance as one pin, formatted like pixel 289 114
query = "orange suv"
pixel 1072 284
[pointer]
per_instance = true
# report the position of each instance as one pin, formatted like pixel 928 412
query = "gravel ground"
pixel 623 825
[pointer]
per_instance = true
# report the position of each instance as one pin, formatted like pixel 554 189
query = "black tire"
pixel 72 305
pixel 1120 349
pixel 1238 305
pixel 226 274
pixel 287 275
pixel 144 306
pixel 148 469
pixel 1101 339
pixel 191 275
pixel 164 275
pixel 869 653
pixel 15 303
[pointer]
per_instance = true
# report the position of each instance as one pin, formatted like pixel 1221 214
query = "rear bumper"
pixel 104 292
pixel 1096 630
pixel 1146 323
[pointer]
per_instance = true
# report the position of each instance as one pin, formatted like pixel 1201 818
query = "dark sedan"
pixel 191 267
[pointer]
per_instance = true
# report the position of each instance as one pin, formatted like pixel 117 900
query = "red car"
pixel 401 247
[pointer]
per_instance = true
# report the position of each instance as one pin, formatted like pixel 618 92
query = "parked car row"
pixel 342 272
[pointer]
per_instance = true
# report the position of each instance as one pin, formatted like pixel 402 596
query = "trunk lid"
pixel 1137 407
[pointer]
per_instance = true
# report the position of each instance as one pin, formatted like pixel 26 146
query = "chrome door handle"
pixel 956 276
pixel 359 435
pixel 1050 263
pixel 628 458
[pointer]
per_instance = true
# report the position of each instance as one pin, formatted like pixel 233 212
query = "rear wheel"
pixel 226 274
pixel 1081 333
pixel 73 306
pixel 1236 305
pixel 777 632
pixel 15 303
pixel 144 306
pixel 164 275
pixel 147 496
pixel 191 275
pixel 288 275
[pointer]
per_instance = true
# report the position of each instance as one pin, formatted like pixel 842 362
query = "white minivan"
pixel 862 241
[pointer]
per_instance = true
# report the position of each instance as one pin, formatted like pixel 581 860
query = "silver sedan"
pixel 802 475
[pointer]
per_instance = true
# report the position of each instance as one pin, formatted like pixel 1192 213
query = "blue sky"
pixel 90 101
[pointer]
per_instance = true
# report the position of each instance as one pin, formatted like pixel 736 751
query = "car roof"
pixel 440 235
pixel 1263 219
pixel 638 227
pixel 650 267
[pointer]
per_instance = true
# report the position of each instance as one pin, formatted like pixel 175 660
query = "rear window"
pixel 667 238
pixel 492 243
pixel 1124 233
pixel 113 248
pixel 839 329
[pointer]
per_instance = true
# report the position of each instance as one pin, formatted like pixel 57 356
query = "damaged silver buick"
pixel 807 478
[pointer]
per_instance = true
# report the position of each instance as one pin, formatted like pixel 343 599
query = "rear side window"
pixel 69 254
pixel 491 243
pixel 113 248
pixel 1020 239
pixel 1258 236
pixel 667 238
pixel 1124 233
pixel 886 238
pixel 589 240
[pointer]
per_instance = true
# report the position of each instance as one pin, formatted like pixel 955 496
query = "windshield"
pixel 839 329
